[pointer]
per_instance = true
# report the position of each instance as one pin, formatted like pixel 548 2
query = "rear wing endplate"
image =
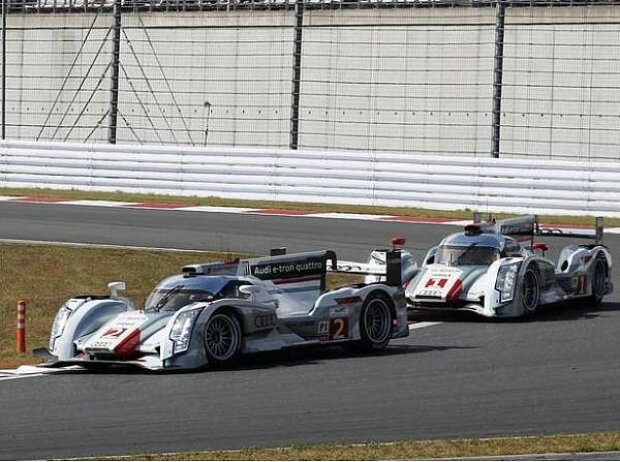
pixel 529 226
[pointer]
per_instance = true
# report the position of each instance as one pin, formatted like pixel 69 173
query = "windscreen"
pixel 171 295
pixel 466 255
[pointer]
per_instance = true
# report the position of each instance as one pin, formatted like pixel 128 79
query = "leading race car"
pixel 212 313
pixel 496 270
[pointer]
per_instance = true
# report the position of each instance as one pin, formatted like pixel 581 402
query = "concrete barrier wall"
pixel 339 177
pixel 417 80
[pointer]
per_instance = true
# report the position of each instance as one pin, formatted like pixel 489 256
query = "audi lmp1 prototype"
pixel 496 270
pixel 214 312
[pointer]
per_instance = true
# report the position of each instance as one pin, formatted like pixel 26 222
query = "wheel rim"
pixel 530 291
pixel 221 337
pixel 598 283
pixel 377 321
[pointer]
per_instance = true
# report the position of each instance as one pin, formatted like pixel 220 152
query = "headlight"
pixel 506 281
pixel 59 324
pixel 182 329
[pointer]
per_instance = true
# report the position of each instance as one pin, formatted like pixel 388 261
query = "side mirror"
pixel 539 247
pixel 250 290
pixel 115 287
pixel 398 242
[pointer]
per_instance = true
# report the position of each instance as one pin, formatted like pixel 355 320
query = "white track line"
pixel 102 246
pixel 420 325
pixel 27 371
pixel 96 203
pixel 14 377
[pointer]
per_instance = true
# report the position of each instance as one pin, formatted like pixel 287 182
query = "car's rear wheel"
pixel 375 323
pixel 599 280
pixel 222 338
pixel 530 292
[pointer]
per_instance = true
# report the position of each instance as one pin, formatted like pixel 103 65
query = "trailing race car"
pixel 496 270
pixel 214 312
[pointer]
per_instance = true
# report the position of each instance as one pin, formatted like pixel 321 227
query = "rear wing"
pixel 525 228
pixel 390 269
pixel 305 271
pixel 304 268
pixel 596 234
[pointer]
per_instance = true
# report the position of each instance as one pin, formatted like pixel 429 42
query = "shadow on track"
pixel 571 311
pixel 301 356
pixel 288 358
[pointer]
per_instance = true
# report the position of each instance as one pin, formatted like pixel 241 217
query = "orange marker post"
pixel 21 326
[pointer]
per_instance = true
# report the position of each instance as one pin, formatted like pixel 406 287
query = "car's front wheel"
pixel 222 338
pixel 375 323
pixel 530 292
pixel 599 280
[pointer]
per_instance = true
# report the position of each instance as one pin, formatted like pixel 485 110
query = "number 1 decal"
pixel 339 328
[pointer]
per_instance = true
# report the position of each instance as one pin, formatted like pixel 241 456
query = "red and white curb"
pixel 175 206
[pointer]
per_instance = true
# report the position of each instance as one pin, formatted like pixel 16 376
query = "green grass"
pixel 408 450
pixel 314 207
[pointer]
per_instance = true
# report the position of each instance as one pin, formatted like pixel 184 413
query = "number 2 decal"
pixel 114 332
pixel 339 328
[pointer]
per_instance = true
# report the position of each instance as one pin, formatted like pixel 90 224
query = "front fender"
pixel 86 318
pixel 195 356
pixel 493 305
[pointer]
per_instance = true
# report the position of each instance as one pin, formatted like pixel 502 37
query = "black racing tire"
pixel 599 280
pixel 530 292
pixel 222 338
pixel 375 323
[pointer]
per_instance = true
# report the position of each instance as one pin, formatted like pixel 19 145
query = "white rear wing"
pixel 525 228
pixel 564 231
pixel 382 266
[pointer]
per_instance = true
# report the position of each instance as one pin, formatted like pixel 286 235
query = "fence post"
pixel 21 327
pixel 498 71
pixel 298 37
pixel 116 51
pixel 4 6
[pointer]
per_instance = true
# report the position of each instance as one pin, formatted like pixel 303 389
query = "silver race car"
pixel 212 313
pixel 497 270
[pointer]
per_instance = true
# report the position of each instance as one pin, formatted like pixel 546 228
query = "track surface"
pixel 463 378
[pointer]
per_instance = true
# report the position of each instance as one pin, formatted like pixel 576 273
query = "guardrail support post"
pixel 4 6
pixel 116 52
pixel 21 326
pixel 498 74
pixel 297 49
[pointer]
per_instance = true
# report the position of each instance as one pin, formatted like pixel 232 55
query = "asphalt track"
pixel 465 377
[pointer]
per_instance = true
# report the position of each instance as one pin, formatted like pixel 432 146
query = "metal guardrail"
pixel 456 182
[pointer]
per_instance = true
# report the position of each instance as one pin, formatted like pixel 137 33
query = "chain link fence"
pixel 510 78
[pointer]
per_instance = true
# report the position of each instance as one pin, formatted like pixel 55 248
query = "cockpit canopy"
pixel 455 255
pixel 175 292
pixel 482 249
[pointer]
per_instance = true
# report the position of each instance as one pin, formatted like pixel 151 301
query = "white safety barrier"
pixel 364 178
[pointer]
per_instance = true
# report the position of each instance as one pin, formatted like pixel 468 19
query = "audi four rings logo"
pixel 265 320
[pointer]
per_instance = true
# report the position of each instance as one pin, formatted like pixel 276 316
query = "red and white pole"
pixel 21 326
